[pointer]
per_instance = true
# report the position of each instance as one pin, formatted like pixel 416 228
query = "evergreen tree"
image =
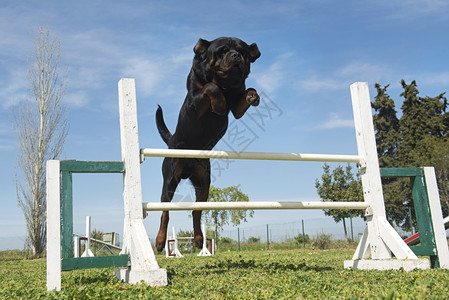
pixel 424 131
pixel 386 125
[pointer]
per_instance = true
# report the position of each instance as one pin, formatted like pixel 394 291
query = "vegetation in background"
pixel 419 138
pixel 41 127
pixel 219 218
pixel 340 186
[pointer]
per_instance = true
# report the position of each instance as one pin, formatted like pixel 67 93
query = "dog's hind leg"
pixel 201 181
pixel 171 181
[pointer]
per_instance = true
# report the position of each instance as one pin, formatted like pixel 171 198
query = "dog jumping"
pixel 215 86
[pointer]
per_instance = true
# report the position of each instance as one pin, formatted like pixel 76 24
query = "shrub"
pixel 300 239
pixel 226 241
pixel 322 241
pixel 254 240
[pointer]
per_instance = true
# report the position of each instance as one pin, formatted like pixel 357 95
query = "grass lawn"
pixel 276 274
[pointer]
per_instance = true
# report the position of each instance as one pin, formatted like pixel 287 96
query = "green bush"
pixel 322 241
pixel 300 239
pixel 226 241
pixel 253 240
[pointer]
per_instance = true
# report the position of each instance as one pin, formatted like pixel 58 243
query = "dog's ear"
pixel 254 52
pixel 201 46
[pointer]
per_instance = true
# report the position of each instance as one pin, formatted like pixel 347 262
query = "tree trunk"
pixel 346 230
pixel 215 233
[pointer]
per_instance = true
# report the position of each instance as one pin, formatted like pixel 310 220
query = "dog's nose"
pixel 235 55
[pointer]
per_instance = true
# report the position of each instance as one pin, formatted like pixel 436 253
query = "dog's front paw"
pixel 252 97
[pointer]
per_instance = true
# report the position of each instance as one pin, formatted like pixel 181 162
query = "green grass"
pixel 276 274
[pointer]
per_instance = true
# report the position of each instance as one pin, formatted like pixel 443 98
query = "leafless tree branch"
pixel 41 127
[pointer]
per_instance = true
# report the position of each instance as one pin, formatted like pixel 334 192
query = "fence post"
pixel 268 238
pixel 238 236
pixel 303 234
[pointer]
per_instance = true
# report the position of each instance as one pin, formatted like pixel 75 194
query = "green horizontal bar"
pixel 76 166
pixel 401 172
pixel 95 262
pixel 423 250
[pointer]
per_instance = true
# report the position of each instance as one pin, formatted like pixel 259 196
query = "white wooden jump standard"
pixel 144 266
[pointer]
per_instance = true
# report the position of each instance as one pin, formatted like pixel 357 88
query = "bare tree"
pixel 41 126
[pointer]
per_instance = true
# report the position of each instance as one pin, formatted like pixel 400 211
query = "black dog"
pixel 216 85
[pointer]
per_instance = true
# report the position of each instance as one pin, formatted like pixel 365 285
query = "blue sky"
pixel 311 52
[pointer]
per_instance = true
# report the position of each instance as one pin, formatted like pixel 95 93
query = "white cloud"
pixel 272 78
pixel 335 121
pixel 15 88
pixel 76 99
pixel 341 78
pixel 315 83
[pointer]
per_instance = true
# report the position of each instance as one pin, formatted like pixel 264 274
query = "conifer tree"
pixel 386 125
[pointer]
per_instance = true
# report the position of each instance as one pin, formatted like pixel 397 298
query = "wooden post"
pixel 53 226
pixel 135 239
pixel 437 217
pixel 379 239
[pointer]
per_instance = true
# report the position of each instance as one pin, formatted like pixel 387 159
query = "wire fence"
pixel 287 232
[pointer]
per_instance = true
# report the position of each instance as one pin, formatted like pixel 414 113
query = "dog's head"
pixel 224 61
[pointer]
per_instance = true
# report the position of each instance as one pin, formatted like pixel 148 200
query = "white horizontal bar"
pixel 252 205
pixel 249 155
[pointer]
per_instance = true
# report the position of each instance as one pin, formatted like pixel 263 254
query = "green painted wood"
pixel 422 212
pixel 76 166
pixel 424 250
pixel 66 214
pixel 95 262
pixel 423 216
pixel 401 172
pixel 67 168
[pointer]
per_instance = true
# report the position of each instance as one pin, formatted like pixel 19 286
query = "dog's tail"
pixel 161 127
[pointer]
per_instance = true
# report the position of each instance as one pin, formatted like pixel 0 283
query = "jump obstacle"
pixel 205 251
pixel 376 249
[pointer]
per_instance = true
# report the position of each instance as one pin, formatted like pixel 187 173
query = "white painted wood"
pixel 76 246
pixel 437 217
pixel 363 248
pixel 184 153
pixel 204 251
pixel 446 220
pixel 156 206
pixel 394 241
pixel 176 251
pixel 387 264
pixel 370 172
pixel 53 226
pixel 87 252
pixel 136 242
pixel 130 148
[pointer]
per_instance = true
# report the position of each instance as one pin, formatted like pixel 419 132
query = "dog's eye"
pixel 223 50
